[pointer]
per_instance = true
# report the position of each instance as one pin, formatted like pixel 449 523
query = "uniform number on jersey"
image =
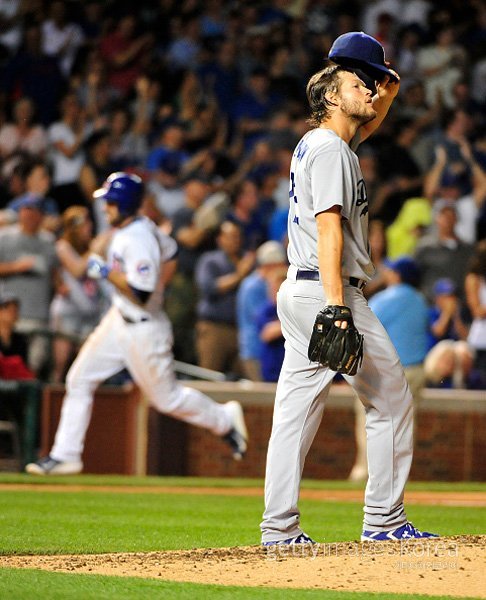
pixel 293 197
pixel 361 197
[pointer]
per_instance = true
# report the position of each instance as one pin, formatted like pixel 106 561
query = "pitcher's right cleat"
pixel 405 532
pixel 50 466
pixel 302 538
pixel 237 436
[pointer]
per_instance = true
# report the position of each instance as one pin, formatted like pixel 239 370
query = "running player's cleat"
pixel 237 436
pixel 50 466
pixel 405 532
pixel 302 538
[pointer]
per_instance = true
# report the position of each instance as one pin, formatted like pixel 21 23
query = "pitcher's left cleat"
pixel 405 532
pixel 302 538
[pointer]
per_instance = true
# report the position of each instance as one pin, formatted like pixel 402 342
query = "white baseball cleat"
pixel 237 436
pixel 50 466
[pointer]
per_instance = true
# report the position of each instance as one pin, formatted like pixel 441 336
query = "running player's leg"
pixel 100 357
pixel 150 362
pixel 383 389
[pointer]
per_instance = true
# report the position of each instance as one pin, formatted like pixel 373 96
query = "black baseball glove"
pixel 339 349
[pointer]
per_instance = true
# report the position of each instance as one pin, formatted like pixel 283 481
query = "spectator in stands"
pixel 125 52
pixel 129 145
pixel 442 253
pixel 407 48
pixel 403 312
pixel 193 238
pixel 67 156
pixel 76 308
pixel 29 270
pixel 446 317
pixel 246 214
pixel 12 343
pixel 378 250
pixel 91 87
pixel 218 276
pixel 221 76
pixel 91 22
pixel 61 38
pixel 269 328
pixel 476 300
pixel 395 157
pixel 171 144
pixel 37 182
pixel 251 296
pixel 22 134
pixel 449 360
pixel 35 75
pixel 410 225
pixel 94 172
pixel 13 351
pixel 441 65
pixel 449 364
pixel 461 183
pixel 166 187
pixel 12 182
pixel 10 27
pixel 253 107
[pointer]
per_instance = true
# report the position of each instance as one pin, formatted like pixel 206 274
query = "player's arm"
pixel 168 270
pixel 135 295
pixel 97 268
pixel 330 244
pixel 386 92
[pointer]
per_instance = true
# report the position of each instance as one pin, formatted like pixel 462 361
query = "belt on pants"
pixel 314 276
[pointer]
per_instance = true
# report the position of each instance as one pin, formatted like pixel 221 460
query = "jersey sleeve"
pixel 142 265
pixel 328 182
pixel 168 246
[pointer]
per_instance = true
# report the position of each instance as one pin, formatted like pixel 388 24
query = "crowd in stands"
pixel 205 100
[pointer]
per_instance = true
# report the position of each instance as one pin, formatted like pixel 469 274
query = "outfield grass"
pixel 234 482
pixel 91 521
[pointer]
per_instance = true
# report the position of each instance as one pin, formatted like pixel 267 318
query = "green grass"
pixel 19 585
pixel 90 522
pixel 96 521
pixel 311 484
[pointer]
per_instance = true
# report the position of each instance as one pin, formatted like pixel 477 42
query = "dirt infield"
pixel 452 566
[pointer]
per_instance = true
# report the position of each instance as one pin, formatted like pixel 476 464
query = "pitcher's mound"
pixel 454 566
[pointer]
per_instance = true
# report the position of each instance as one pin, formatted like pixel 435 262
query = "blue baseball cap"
pixel 358 50
pixel 406 267
pixel 444 287
pixel 28 201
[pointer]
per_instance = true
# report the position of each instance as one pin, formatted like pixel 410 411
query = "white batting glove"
pixel 97 267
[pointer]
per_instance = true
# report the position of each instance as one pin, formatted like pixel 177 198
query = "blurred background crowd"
pixel 206 101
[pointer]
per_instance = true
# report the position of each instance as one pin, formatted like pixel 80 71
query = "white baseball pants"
pixel 145 349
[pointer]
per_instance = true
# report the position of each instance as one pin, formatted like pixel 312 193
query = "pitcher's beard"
pixel 359 114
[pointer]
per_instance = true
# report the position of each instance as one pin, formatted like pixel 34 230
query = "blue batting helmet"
pixel 123 189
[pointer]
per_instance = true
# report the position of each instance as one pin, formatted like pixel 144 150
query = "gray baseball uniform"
pixel 325 172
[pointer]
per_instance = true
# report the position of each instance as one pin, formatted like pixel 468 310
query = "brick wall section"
pixel 450 446
pixel 450 441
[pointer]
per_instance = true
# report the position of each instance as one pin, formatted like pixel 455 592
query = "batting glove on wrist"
pixel 97 267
